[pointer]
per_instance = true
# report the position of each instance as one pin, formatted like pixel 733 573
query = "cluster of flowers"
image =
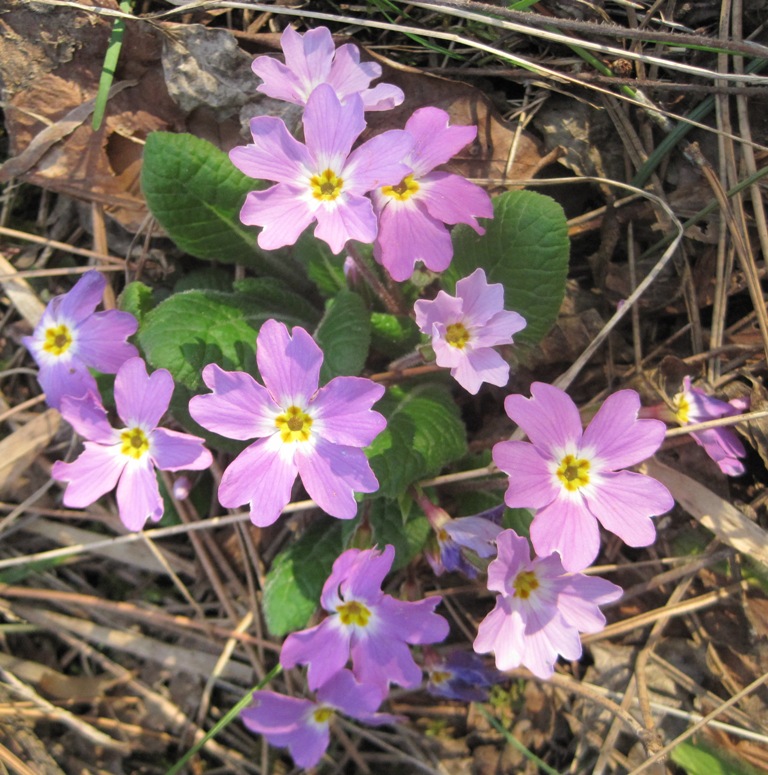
pixel 386 192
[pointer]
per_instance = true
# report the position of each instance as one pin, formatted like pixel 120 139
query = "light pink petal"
pixel 544 644
pixel 407 233
pixel 350 217
pixel 343 567
pixel 342 408
pixel 262 476
pixel 453 199
pixel 308 744
pixel 379 161
pixel 549 418
pixel 617 437
pixel 331 128
pixel 412 621
pixel 174 451
pixel 238 408
pixel 531 484
pixel 383 96
pixel 363 579
pixel 101 340
pixel 578 602
pixel 289 364
pixel 348 75
pixel 308 56
pixel 352 698
pixel 566 526
pixel 332 473
pixel 442 309
pixel 624 503
pixel 280 83
pixel 274 714
pixel 89 418
pixel 64 376
pixel 704 407
pixel 92 475
pixel 513 555
pixel 138 496
pixel 382 660
pixel 283 213
pixel 78 303
pixel 480 300
pixel 502 633
pixel 435 141
pixel 274 154
pixel 325 648
pixel 724 447
pixel 499 329
pixel 479 366
pixel 142 399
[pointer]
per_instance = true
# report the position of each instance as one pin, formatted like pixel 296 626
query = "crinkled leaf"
pixel 191 329
pixel 196 193
pixel 424 433
pixel 269 293
pixel 525 248
pixel 344 335
pixel 702 759
pixel 324 268
pixel 208 278
pixel 293 585
pixel 407 536
pixel 393 335
pixel 137 299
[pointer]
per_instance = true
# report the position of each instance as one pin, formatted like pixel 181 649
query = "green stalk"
pixel 110 65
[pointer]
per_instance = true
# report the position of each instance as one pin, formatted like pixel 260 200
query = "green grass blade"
pixel 110 66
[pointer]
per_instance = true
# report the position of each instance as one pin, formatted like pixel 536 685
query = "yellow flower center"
pixel 573 472
pixel 135 442
pixel 326 186
pixel 682 408
pixel 354 613
pixel 294 424
pixel 456 335
pixel 405 189
pixel 57 340
pixel 323 714
pixel 439 676
pixel 525 583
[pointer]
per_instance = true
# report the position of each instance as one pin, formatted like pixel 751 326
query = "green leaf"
pixel 344 334
pixel 293 585
pixel 525 248
pixel 196 193
pixel 701 759
pixel 407 537
pixel 325 269
pixel 393 335
pixel 207 278
pixel 136 298
pixel 269 293
pixel 191 329
pixel 424 433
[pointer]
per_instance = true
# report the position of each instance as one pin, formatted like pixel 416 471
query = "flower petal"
pixel 142 399
pixel 174 451
pixel 80 302
pixel 331 128
pixel 531 484
pixel 138 496
pixel 275 154
pixel 325 648
pixel 617 437
pixel 351 217
pixel 101 340
pixel 478 366
pixel 309 57
pixel 283 213
pixel 378 162
pixel 289 364
pixel 92 475
pixel 362 579
pixel 413 621
pixel 342 409
pixel 65 376
pixel 89 418
pixel 549 418
pixel 453 199
pixel 435 141
pixel 578 602
pixel 382 660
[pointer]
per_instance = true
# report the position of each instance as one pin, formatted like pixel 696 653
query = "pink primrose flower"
pixel 71 337
pixel 303 726
pixel 365 624
pixel 466 327
pixel 324 180
pixel 540 610
pixel 413 213
pixel 312 59
pixel 571 476
pixel 693 405
pixel 317 434
pixel 127 457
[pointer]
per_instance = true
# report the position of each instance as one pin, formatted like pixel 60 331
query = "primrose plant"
pixel 379 289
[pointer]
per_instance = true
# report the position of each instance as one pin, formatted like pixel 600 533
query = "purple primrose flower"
pixel 459 675
pixel 324 180
pixel 312 59
pixel 693 405
pixel 303 726
pixel 127 457
pixel 71 337
pixel 540 609
pixel 413 212
pixel 466 327
pixel 317 434
pixel 571 476
pixel 365 624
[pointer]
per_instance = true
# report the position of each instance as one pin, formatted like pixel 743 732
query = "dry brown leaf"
pixel 19 450
pixel 54 683
pixel 714 513
pixel 20 293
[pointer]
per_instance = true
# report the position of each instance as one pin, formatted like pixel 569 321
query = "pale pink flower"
pixel 572 478
pixel 540 609
pixel 466 327
pixel 324 180
pixel 413 212
pixel 127 457
pixel 312 59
